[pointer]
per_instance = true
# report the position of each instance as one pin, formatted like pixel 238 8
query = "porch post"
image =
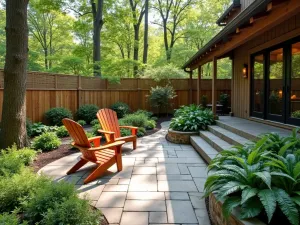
pixel 214 88
pixel 191 87
pixel 198 85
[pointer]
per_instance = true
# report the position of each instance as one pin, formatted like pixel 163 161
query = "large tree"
pixel 13 125
pixel 146 32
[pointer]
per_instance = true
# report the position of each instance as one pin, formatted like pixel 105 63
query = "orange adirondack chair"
pixel 104 156
pixel 111 129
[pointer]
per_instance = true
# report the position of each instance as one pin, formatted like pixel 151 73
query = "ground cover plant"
pixel 192 118
pixel 28 198
pixel 262 178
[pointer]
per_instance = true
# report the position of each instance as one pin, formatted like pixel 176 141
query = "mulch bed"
pixel 45 158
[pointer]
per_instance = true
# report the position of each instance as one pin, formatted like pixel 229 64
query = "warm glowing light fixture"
pixel 245 71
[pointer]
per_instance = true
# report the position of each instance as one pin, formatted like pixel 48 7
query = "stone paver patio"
pixel 161 183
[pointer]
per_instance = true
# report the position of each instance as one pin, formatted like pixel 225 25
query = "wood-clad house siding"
pixel 240 86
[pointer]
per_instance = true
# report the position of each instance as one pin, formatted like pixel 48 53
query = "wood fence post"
pixel 139 93
pixel 79 88
pixel 191 88
pixel 199 85
pixel 214 86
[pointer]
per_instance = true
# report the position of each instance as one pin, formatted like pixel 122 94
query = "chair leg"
pixel 134 144
pixel 77 166
pixel 100 170
pixel 119 162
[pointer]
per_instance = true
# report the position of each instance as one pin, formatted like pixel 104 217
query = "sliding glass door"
pixel 275 83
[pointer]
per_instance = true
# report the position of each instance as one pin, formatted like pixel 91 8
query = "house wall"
pixel 240 86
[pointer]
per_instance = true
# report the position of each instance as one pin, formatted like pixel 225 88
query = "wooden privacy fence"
pixel 45 91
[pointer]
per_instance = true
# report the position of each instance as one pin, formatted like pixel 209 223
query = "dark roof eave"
pixel 240 19
pixel 234 5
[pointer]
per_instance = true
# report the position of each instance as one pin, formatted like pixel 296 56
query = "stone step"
pixel 228 136
pixel 214 141
pixel 239 132
pixel 206 151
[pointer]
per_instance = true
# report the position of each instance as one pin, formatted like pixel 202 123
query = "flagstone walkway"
pixel 161 183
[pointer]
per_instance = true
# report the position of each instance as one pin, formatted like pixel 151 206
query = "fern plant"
pixel 260 178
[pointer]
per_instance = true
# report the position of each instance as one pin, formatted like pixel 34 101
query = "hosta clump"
pixel 261 178
pixel 192 118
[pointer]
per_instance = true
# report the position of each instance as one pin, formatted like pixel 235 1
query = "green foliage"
pixel 150 124
pixel 204 101
pixel 13 160
pixel 165 72
pixel 192 118
pixel 16 188
pixel 224 101
pixel 87 113
pixel 296 114
pixel 120 108
pixel 62 132
pixel 37 129
pixel 136 120
pixel 89 135
pixel 262 176
pixel 125 132
pixel 10 219
pixel 141 132
pixel 145 112
pixel 46 142
pixel 95 129
pixel 82 122
pixel 94 122
pixel 29 127
pixel 160 97
pixel 55 115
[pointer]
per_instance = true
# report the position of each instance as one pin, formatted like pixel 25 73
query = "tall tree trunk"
pixel 136 49
pixel 145 56
pixel 46 58
pixel 166 40
pixel 13 125
pixel 98 24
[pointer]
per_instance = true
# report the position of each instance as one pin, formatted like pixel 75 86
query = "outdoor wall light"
pixel 245 71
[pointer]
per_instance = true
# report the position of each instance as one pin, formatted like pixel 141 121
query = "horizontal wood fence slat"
pixel 45 91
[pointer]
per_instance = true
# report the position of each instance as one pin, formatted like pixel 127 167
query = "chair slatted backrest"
pixel 80 139
pixel 109 121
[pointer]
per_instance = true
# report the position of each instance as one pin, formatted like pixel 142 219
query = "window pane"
pixel 276 80
pixel 295 81
pixel 258 84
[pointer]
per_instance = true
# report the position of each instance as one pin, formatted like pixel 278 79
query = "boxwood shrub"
pixel 120 108
pixel 55 115
pixel 46 142
pixel 87 113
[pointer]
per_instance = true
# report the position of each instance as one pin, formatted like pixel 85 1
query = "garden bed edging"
pixel 179 137
pixel 217 218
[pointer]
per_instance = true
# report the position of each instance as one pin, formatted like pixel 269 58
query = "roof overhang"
pixel 222 20
pixel 259 8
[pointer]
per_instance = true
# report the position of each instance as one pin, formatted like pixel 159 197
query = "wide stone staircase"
pixel 219 137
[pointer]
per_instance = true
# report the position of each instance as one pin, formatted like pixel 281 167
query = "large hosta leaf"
pixel 287 206
pixel 268 200
pixel 251 208
pixel 248 193
pixel 229 204
pixel 296 200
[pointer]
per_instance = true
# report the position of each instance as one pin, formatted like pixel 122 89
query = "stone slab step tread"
pixel 237 131
pixel 228 136
pixel 206 151
pixel 216 142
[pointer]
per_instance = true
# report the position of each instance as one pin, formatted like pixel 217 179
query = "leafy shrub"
pixel 55 115
pixel 160 97
pixel 87 112
pixel 46 142
pixel 95 129
pixel 224 100
pixel 81 122
pixel 16 188
pixel 145 112
pixel 261 178
pixel 141 132
pixel 10 219
pixel 13 160
pixel 29 127
pixel 89 135
pixel 296 114
pixel 95 121
pixel 136 120
pixel 62 132
pixel 38 129
pixel 204 101
pixel 125 132
pixel 120 108
pixel 150 124
pixel 192 118
pixel 166 72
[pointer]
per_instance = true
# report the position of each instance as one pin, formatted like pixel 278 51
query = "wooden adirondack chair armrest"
pixel 107 146
pixel 110 133
pixel 133 129
pixel 95 140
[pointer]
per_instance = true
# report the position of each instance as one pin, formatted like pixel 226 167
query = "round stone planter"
pixel 217 218
pixel 179 137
